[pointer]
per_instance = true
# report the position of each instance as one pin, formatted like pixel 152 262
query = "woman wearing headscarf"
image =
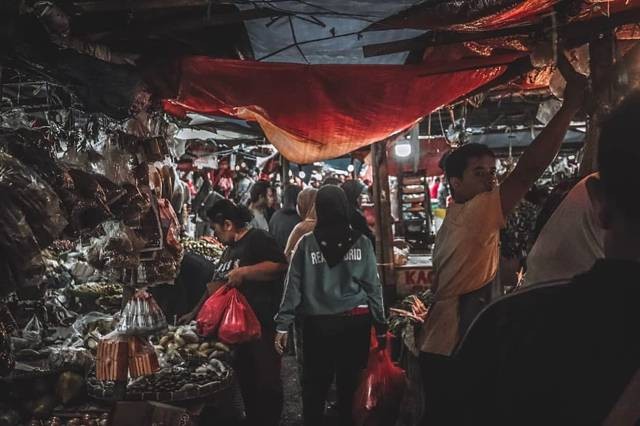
pixel 306 207
pixel 333 286
pixel 353 190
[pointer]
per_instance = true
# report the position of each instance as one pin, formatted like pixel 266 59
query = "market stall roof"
pixel 522 138
pixel 324 31
pixel 115 50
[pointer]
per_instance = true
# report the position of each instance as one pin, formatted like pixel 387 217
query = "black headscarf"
pixel 333 230
pixel 353 189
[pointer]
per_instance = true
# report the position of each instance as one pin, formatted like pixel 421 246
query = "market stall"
pixel 88 243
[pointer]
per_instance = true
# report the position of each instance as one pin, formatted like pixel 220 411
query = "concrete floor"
pixel 292 410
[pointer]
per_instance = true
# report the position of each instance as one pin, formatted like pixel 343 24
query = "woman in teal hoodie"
pixel 333 286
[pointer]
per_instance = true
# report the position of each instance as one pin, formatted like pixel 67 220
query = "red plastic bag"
pixel 239 324
pixel 377 399
pixel 212 311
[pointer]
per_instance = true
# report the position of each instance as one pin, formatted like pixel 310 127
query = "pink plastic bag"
pixel 377 399
pixel 239 324
pixel 212 311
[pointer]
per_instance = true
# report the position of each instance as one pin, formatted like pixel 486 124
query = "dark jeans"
pixel 257 367
pixel 333 346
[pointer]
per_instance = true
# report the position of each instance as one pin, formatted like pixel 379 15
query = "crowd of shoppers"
pixel 562 352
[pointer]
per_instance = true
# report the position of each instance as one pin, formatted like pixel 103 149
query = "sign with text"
pixel 412 280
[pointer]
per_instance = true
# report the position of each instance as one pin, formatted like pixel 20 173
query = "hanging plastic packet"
pixel 32 332
pixel 142 316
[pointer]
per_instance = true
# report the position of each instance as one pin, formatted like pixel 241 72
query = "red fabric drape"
pixel 316 112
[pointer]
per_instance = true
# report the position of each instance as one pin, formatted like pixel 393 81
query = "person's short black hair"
pixel 331 180
pixel 225 209
pixel 619 156
pixel 457 160
pixel 259 189
pixel 290 195
pixel 437 179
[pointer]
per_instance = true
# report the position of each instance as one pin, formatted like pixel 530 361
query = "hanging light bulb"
pixel 402 149
pixel 350 168
pixel 302 174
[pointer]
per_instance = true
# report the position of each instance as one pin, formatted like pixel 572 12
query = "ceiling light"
pixel 402 150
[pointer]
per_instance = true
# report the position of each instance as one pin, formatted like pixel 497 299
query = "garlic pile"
pixel 183 343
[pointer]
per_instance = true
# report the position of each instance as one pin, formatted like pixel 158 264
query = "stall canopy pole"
pixel 384 236
pixel 601 64
pixel 285 170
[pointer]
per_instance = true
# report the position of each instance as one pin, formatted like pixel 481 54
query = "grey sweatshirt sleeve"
pixel 292 296
pixel 370 282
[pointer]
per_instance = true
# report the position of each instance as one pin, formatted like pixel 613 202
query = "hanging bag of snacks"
pixel 112 360
pixel 142 316
pixel 143 359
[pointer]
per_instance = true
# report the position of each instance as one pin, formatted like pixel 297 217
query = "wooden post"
pixel 601 64
pixel 284 177
pixel 384 235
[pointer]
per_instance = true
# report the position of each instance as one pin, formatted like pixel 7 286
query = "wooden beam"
pixel 575 34
pixel 116 5
pixel 443 38
pixel 602 68
pixel 383 232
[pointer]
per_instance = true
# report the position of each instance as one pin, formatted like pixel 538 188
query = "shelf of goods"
pixel 416 212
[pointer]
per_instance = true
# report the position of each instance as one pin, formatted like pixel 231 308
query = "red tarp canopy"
pixel 317 112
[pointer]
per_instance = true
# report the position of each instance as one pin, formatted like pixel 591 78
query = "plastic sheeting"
pixel 316 112
pixel 324 31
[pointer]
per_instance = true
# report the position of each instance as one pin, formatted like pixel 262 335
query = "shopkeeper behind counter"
pixel 254 264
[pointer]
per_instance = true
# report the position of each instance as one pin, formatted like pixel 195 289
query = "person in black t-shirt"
pixel 253 263
pixel 565 352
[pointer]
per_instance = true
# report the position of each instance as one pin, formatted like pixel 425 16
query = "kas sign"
pixel 411 281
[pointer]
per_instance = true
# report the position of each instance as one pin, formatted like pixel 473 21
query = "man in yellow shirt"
pixel 466 252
